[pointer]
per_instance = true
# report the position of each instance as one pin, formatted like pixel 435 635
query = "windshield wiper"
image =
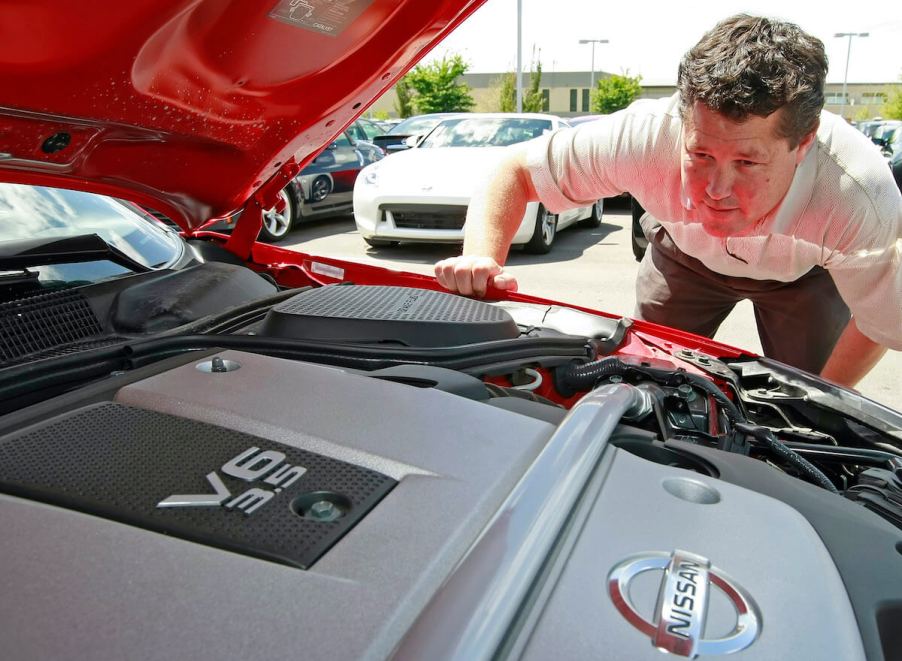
pixel 21 254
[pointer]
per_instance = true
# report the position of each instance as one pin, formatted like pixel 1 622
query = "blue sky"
pixel 648 37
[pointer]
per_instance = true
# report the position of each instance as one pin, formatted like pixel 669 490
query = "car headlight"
pixel 371 175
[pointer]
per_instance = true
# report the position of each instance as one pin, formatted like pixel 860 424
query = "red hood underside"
pixel 194 107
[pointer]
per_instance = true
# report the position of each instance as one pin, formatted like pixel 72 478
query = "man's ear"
pixel 806 143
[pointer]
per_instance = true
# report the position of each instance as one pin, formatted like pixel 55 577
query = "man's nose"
pixel 720 183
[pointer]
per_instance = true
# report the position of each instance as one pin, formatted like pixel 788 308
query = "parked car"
pixel 324 188
pixel 868 127
pixel 408 132
pixel 365 130
pixel 883 134
pixel 893 150
pixel 422 194
pixel 278 454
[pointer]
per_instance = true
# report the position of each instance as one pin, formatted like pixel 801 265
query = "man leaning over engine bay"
pixel 752 191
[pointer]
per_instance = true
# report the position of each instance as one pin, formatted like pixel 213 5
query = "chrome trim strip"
pixel 470 614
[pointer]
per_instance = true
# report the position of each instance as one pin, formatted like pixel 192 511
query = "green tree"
pixel 507 94
pixel 533 100
pixel 615 92
pixel 892 109
pixel 532 97
pixel 435 88
pixel 402 103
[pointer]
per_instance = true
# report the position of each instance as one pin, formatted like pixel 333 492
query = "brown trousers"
pixel 798 322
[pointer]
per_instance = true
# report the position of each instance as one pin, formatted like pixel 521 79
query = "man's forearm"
pixel 853 357
pixel 497 207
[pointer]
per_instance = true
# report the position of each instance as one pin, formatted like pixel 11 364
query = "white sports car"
pixel 422 194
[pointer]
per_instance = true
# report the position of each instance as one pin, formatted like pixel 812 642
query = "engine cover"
pixel 411 317
pixel 192 480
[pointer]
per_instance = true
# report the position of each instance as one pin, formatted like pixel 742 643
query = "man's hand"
pixel 472 275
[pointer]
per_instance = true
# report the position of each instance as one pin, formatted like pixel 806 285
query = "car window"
pixel 367 130
pixel 343 140
pixel 485 132
pixel 28 212
pixel 415 125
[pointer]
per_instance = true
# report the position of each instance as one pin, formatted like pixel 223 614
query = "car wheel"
pixel 380 243
pixel 544 233
pixel 277 224
pixel 320 188
pixel 594 220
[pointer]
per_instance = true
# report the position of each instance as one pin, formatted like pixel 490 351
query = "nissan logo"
pixel 679 617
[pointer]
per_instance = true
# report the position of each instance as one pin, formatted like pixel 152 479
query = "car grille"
pixel 427 216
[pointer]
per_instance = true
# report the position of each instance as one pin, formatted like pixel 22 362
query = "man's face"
pixel 736 173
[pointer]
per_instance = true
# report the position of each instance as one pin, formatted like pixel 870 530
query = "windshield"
pixel 416 125
pixel 485 132
pixel 29 212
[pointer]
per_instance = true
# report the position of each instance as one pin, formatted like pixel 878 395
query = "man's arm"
pixel 853 357
pixel 494 214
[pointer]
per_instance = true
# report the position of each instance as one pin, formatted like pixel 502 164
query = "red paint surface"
pixel 190 106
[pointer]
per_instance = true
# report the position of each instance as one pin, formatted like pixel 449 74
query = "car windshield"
pixel 485 132
pixel 416 125
pixel 30 212
pixel 369 129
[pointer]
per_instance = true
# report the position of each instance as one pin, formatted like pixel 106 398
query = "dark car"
pixel 274 454
pixel 325 187
pixel 415 128
pixel 893 151
pixel 366 130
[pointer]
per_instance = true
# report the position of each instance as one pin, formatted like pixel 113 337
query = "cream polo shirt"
pixel 843 210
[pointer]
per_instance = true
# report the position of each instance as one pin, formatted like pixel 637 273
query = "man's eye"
pixel 699 155
pixel 746 164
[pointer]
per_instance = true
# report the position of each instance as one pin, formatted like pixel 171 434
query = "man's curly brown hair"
pixel 750 65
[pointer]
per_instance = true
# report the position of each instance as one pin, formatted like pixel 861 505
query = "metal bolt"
pixel 615 378
pixel 323 510
pixel 686 392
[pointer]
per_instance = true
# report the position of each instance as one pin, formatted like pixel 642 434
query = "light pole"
pixel 519 56
pixel 592 70
pixel 845 77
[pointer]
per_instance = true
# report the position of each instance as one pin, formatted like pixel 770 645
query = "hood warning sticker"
pixel 329 17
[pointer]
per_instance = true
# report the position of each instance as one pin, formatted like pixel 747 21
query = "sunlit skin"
pixel 736 173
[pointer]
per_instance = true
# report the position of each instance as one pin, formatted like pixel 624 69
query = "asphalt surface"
pixel 594 268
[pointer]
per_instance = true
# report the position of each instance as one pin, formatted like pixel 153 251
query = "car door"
pixel 340 162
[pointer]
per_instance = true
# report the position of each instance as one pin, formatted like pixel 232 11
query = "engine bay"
pixel 372 457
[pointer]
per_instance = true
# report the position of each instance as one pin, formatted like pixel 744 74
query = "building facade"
pixel 566 94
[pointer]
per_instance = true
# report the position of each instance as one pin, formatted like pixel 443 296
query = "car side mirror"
pixel 412 140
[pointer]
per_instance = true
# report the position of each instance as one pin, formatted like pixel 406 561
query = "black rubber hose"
pixel 584 377
pixel 787 454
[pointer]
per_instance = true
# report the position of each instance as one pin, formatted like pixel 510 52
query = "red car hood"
pixel 197 108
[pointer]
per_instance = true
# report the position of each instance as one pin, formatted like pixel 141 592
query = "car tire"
pixel 320 188
pixel 594 219
pixel 277 225
pixel 380 243
pixel 544 232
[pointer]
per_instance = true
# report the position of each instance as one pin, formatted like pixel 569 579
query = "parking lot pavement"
pixel 589 267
